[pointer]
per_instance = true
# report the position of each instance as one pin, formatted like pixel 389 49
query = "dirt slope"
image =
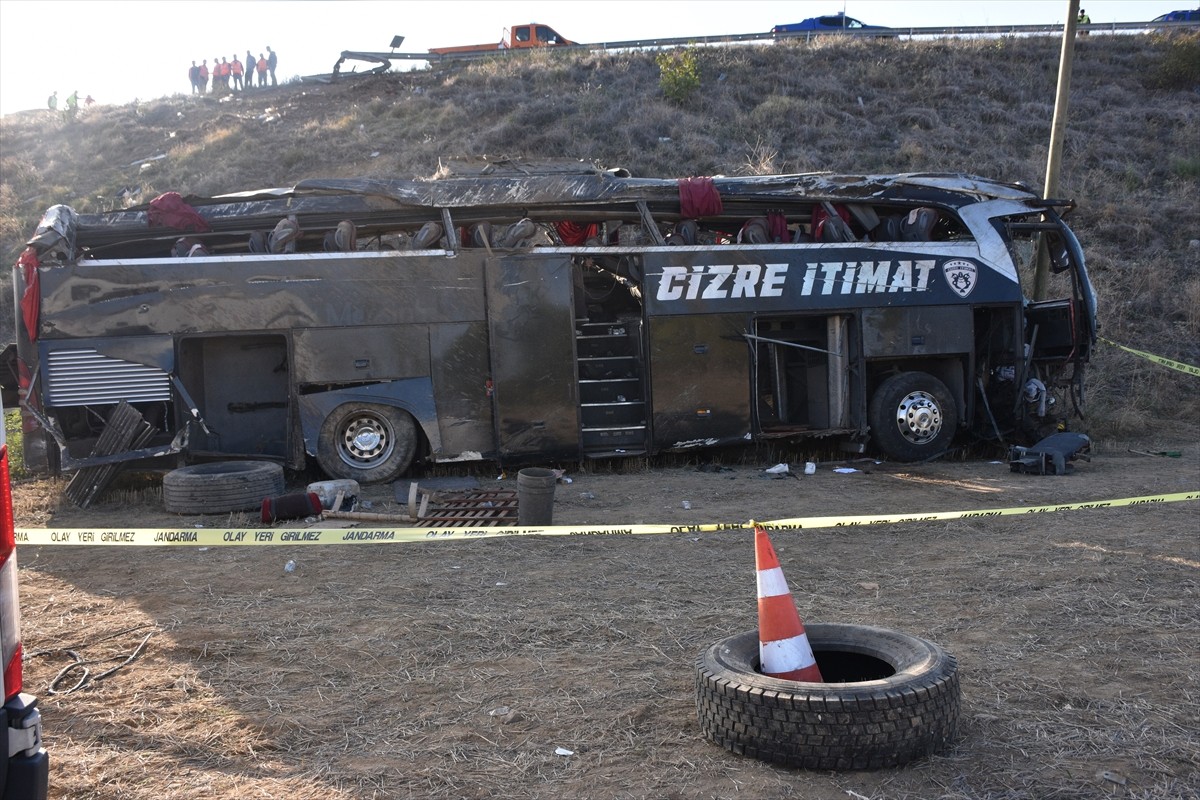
pixel 455 669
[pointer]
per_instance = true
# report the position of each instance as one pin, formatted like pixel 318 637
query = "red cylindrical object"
pixel 290 506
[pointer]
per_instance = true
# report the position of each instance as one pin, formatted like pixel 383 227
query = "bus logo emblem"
pixel 961 276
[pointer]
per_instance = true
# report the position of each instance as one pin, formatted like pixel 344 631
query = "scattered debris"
pixel 125 430
pixel 446 508
pixel 1051 455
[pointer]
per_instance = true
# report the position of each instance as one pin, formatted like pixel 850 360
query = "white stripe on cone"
pixel 771 582
pixel 785 655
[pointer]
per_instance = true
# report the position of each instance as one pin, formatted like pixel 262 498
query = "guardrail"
pixel 385 58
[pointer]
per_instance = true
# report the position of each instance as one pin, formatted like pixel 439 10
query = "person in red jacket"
pixel 262 70
pixel 203 84
pixel 236 67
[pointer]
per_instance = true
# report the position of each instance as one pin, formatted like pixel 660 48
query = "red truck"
pixel 531 34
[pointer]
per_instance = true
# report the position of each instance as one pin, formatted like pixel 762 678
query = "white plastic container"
pixel 328 490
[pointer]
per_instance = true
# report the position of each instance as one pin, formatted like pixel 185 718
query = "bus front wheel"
pixel 913 416
pixel 367 443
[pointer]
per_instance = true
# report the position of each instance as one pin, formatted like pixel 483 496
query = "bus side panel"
pixel 901 332
pixel 361 353
pixel 247 293
pixel 459 364
pixel 700 380
pixel 532 332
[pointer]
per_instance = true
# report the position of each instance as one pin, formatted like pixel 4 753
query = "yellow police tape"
pixel 1166 362
pixel 215 537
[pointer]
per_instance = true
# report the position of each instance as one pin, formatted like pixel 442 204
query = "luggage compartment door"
pixel 241 385
pixel 532 335
pixel 700 380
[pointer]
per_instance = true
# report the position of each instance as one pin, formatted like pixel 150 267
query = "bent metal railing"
pixel 385 59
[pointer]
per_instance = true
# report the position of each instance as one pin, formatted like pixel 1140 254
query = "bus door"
pixel 240 384
pixel 532 336
pixel 700 380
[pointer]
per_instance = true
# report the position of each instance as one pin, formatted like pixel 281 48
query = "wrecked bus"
pixel 517 312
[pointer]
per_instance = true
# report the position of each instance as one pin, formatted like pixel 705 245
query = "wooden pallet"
pixel 465 508
pixel 445 508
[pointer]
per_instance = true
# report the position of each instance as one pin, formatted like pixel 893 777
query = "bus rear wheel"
pixel 912 416
pixel 367 443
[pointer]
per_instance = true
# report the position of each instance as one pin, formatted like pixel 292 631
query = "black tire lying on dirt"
pixel 891 698
pixel 221 486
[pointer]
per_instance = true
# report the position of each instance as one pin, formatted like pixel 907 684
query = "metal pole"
pixel 1058 132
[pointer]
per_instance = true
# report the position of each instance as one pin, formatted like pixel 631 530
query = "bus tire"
pixel 896 699
pixel 912 416
pixel 366 442
pixel 221 486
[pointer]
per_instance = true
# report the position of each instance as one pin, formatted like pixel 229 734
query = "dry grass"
pixel 455 669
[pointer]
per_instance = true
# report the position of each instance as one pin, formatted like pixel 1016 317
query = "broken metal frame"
pixel 68 462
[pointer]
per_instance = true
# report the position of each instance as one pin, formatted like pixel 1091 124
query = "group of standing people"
pixel 234 75
pixel 72 108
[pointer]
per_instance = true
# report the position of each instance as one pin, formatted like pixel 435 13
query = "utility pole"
pixel 1058 132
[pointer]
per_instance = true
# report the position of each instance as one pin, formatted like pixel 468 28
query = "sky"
pixel 119 51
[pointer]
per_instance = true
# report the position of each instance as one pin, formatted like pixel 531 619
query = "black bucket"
pixel 535 496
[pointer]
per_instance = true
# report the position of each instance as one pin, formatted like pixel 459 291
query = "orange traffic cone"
pixel 783 648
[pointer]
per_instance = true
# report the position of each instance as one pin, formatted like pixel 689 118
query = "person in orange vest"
pixel 203 84
pixel 262 70
pixel 236 67
pixel 224 71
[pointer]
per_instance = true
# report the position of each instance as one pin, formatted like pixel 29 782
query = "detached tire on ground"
pixel 221 486
pixel 890 698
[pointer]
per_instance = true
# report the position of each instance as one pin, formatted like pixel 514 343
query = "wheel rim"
pixel 366 441
pixel 919 417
